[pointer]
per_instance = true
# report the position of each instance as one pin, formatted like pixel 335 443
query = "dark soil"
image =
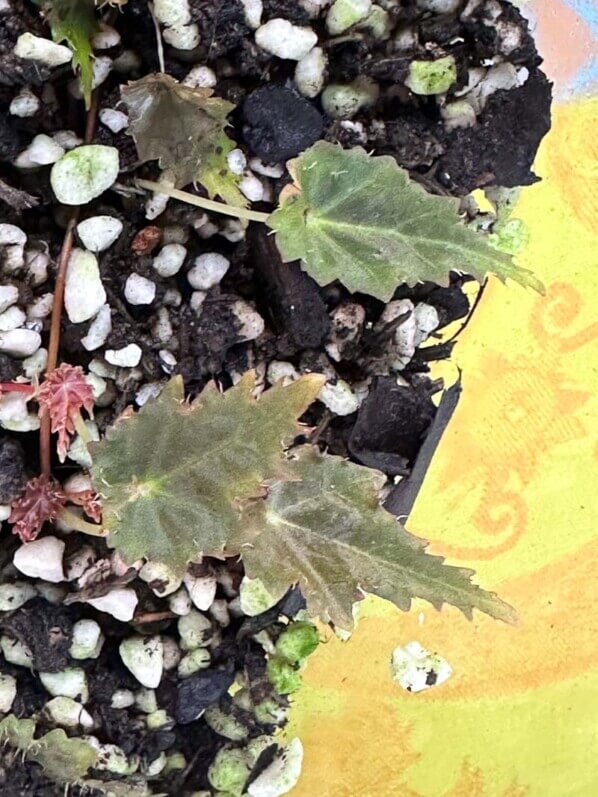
pixel 305 327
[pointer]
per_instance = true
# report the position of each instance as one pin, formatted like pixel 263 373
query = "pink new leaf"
pixel 63 394
pixel 89 500
pixel 41 500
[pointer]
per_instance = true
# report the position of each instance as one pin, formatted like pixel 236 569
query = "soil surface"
pixel 380 401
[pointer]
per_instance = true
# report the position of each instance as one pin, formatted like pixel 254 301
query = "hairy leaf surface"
pixel 174 124
pixel 75 22
pixel 329 533
pixel 173 475
pixel 361 220
pixel 217 178
pixel 63 760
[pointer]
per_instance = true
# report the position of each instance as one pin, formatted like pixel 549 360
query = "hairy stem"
pixel 77 523
pixel 45 450
pixel 202 202
pixel 16 387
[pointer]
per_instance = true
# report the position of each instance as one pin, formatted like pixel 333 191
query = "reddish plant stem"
pixel 15 387
pixel 45 450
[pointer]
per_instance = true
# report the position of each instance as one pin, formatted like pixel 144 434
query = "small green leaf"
pixel 217 178
pixel 177 125
pixel 173 476
pixel 75 22
pixel 361 220
pixel 329 533
pixel 63 760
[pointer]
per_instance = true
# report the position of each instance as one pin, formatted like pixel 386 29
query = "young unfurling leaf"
pixel 62 759
pixel 177 125
pixel 361 220
pixel 173 476
pixel 75 22
pixel 327 531
pixel 41 501
pixel 216 177
pixel 62 395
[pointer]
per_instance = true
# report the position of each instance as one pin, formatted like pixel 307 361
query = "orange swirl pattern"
pixel 511 494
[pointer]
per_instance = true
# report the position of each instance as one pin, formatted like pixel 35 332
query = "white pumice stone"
pixel 157 719
pixel 219 611
pixel 347 324
pixel 281 38
pixel 35 48
pixel 172 12
pixel 150 390
pixel 144 658
pixel 67 139
pixel 251 187
pixel 172 653
pixel 5 510
pixel 67 713
pixel 341 101
pixel 169 259
pixel 162 328
pixel 81 560
pixel 281 775
pixel 139 290
pixel 41 558
pixel 37 264
pixel 70 682
pixel 87 639
pixel 168 361
pixel 160 578
pixel 439 6
pixel 251 323
pixel 9 295
pixel 258 166
pixel 122 698
pixel 185 37
pixel 12 318
pixel 281 371
pixel 155 767
pixel 105 38
pixel 195 630
pixel 101 67
pixel 84 293
pixel 41 307
pixel 311 72
pixel 12 596
pixel 97 233
pixel 180 603
pixel 201 77
pixel 339 398
pixel 346 13
pixel 8 692
pixel 78 449
pixel 99 329
pixel 127 357
pixel 145 700
pixel 253 13
pixel 15 652
pixel 84 173
pixel 156 205
pixel 36 364
pixel 415 668
pixel 201 589
pixel 98 385
pixel 236 161
pixel 194 661
pixel 120 603
pixel 196 301
pixel 14 414
pixel 172 298
pixel 25 104
pixel 207 271
pixel 175 234
pixel 11 234
pixel 426 319
pixel 234 230
pixel 42 151
pixel 112 758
